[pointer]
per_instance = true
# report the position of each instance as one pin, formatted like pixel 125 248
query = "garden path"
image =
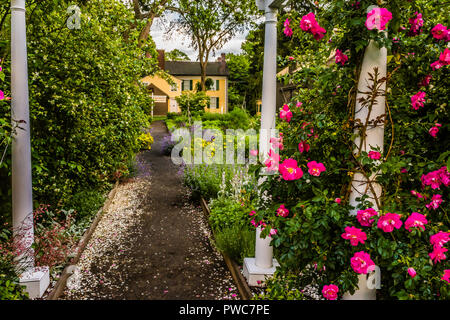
pixel 152 243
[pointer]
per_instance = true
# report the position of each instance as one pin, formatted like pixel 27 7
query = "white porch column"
pixel 374 57
pixel 263 265
pixel 22 200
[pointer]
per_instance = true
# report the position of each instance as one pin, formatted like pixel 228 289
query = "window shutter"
pixel 217 85
pixel 217 103
pixel 182 85
pixel 190 85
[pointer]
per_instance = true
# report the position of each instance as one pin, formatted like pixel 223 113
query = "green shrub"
pixel 11 290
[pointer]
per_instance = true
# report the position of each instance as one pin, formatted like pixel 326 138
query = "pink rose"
pixel 282 211
pixel 285 113
pixel 418 100
pixel 355 235
pixel 412 272
pixel 340 57
pixel 436 201
pixel 287 30
pixel 290 171
pixel 254 153
pixel 446 275
pixel 444 57
pixel 438 254
pixel 361 262
pixel 315 168
pixel 374 155
pixel 439 32
pixel 330 292
pixel 364 217
pixel 309 24
pixel 303 147
pixel 389 221
pixel 434 130
pixel 416 24
pixel 426 81
pixel 415 220
pixel 439 239
pixel 337 200
pixel 378 18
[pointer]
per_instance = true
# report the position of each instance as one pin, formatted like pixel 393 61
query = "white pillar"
pixel 263 250
pixel 22 200
pixel 269 86
pixel 257 269
pixel 373 57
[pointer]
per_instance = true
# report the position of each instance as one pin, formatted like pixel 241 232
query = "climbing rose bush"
pixel 405 234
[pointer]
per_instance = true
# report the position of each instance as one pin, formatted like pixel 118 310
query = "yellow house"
pixel 185 76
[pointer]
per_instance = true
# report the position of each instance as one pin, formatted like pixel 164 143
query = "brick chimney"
pixel 161 59
pixel 222 60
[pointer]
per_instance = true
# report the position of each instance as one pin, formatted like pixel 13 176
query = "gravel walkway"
pixel 152 243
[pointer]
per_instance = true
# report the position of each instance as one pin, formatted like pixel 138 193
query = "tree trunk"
pixel 143 36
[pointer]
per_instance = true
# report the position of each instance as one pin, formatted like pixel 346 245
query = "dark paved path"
pixel 165 253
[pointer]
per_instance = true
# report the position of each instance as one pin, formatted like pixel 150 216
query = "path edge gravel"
pixel 69 269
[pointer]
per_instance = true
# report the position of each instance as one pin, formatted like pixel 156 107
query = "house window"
pixel 186 85
pixel 215 85
pixel 214 103
pixel 174 87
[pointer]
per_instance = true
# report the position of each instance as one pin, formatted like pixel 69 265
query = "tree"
pixel 210 24
pixel 148 10
pixel 177 55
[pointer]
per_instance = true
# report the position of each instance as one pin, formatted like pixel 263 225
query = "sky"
pixel 177 41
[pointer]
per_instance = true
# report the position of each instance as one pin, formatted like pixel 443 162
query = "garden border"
pixel 243 288
pixel 69 269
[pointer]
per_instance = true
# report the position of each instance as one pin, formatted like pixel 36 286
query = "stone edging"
pixel 238 278
pixel 69 269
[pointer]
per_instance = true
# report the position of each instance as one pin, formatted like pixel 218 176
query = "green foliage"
pixel 226 212
pixel 10 290
pixel 85 99
pixel 236 241
pixel 192 101
pixel 176 55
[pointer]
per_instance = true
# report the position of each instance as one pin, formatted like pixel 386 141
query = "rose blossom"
pixel 330 292
pixel 438 254
pixel 361 262
pixel 303 147
pixel 378 18
pixel 412 272
pixel 337 200
pixel 315 168
pixel 415 220
pixel 446 275
pixel 340 57
pixel 374 155
pixel 287 30
pixel 309 24
pixel 434 130
pixel 290 171
pixel 439 32
pixel 436 201
pixel 418 100
pixel 282 211
pixel 416 24
pixel 355 235
pixel 439 239
pixel 389 221
pixel 286 113
pixel 364 216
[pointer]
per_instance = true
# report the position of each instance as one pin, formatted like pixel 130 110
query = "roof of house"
pixel 189 68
